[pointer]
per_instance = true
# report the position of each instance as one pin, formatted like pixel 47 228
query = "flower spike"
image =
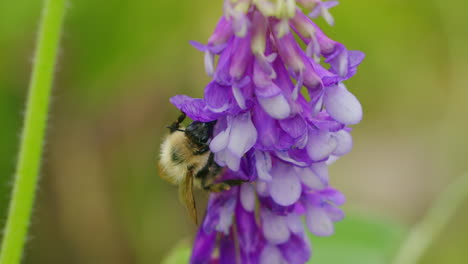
pixel 271 133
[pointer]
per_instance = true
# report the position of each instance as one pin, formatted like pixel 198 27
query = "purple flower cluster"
pixel 282 118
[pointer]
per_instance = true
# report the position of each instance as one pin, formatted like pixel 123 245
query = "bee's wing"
pixel 186 196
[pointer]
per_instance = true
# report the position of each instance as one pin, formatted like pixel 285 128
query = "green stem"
pixel 32 141
pixel 436 219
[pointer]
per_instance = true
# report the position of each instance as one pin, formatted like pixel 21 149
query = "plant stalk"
pixel 32 140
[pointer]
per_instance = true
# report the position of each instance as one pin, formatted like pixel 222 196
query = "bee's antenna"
pixel 175 129
pixel 181 118
pixel 175 126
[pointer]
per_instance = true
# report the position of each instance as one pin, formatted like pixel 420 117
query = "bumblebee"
pixel 186 160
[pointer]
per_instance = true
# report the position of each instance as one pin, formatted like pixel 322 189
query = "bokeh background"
pixel 100 199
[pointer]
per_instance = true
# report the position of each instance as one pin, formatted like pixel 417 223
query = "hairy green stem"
pixel 436 219
pixel 32 140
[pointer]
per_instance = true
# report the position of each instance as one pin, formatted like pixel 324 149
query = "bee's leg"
pixel 217 187
pixel 234 182
pixel 175 126
pixel 208 175
pixel 223 186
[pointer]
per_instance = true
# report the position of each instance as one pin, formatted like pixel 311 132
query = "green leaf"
pixel 358 239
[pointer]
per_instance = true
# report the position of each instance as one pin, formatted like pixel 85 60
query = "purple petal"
pixel 214 49
pixel 285 186
pixel 334 213
pixel 262 188
pixel 194 108
pixel 219 213
pixel 311 79
pixel 355 57
pixel 333 196
pixel 321 170
pixel 283 78
pixel 298 85
pixel 301 142
pixel 339 62
pixel 285 157
pixel 263 71
pixel 259 33
pixel 277 106
pixel 316 103
pixel 295 223
pixel 266 127
pixel 269 95
pixel 228 175
pixel 300 157
pixel 209 63
pixel 263 165
pixel 250 257
pixel 225 216
pixel 269 203
pixel 218 98
pixel 321 144
pixel 318 221
pixel 222 33
pixel 268 90
pixel 294 126
pixel 240 25
pixel 240 99
pixel 243 57
pixel 264 63
pixel 275 227
pixel 271 255
pixel 249 235
pixel 243 134
pixel 332 159
pixel 290 52
pixel 227 158
pixel 222 75
pixel 330 4
pixel 203 247
pixel 247 197
pixel 345 142
pixel 322 9
pixel 342 105
pixel 323 121
pixel 220 141
pixel 313 48
pixel 227 250
pixel 199 46
pixel 317 12
pixel 296 250
pixel 310 179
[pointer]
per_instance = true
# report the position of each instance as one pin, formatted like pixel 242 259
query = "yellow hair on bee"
pixel 177 158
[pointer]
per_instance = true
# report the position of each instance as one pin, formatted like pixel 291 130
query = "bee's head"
pixel 199 132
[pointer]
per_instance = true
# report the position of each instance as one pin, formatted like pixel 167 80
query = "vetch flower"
pixel 230 144
pixel 282 119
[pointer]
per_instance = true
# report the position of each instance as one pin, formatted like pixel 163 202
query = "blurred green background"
pixel 100 199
